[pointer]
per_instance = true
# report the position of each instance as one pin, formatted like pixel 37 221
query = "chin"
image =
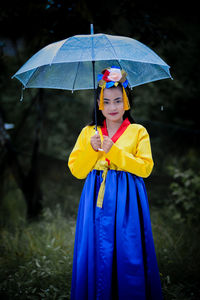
pixel 114 118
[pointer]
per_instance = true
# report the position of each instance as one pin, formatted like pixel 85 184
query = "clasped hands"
pixel 96 142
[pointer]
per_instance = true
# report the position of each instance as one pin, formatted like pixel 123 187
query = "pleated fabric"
pixel 114 255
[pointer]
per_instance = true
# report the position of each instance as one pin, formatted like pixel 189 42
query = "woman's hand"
pixel 95 141
pixel 107 144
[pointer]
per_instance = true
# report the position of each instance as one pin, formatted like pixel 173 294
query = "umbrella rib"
pixel 77 70
pixel 25 85
pixel 113 51
pixel 135 60
pixel 64 41
pixel 49 64
pixel 75 76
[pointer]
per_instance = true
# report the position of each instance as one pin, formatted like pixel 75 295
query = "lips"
pixel 113 114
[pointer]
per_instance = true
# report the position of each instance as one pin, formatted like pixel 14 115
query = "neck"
pixel 113 124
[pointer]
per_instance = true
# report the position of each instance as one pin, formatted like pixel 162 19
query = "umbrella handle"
pixel 99 149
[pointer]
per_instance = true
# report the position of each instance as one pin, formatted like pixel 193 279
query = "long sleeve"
pixel 83 157
pixel 140 163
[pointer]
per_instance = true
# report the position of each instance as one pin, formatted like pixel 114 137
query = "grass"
pixel 36 258
pixel 178 250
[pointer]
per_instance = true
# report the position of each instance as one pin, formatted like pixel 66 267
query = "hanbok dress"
pixel 114 255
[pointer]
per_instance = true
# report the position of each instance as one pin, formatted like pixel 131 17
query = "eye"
pixel 106 102
pixel 119 101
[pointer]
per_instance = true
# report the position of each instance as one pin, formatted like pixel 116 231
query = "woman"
pixel 114 255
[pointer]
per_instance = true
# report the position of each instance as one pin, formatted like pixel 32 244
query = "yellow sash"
pixel 103 166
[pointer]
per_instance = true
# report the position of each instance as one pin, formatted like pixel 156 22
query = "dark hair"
pixel 100 116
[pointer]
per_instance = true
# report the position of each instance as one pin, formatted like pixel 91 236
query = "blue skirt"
pixel 114 255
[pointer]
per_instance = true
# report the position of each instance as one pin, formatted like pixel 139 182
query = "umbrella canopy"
pixel 67 64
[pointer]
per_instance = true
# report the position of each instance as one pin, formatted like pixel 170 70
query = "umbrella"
pixel 73 63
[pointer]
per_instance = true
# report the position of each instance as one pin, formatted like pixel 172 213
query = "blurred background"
pixel 39 197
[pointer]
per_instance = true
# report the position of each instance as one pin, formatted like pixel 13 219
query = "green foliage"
pixel 36 258
pixel 178 249
pixel 185 201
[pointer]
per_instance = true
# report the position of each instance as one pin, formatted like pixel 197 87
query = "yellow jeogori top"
pixel 131 152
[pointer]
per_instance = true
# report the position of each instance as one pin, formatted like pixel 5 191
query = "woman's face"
pixel 113 104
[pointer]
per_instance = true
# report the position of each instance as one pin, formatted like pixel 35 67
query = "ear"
pixel 98 101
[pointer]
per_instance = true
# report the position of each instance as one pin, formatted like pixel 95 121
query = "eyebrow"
pixel 118 98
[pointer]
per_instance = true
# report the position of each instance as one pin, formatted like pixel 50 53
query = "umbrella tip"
pixel 91 29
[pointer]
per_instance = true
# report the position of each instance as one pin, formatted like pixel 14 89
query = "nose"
pixel 113 106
